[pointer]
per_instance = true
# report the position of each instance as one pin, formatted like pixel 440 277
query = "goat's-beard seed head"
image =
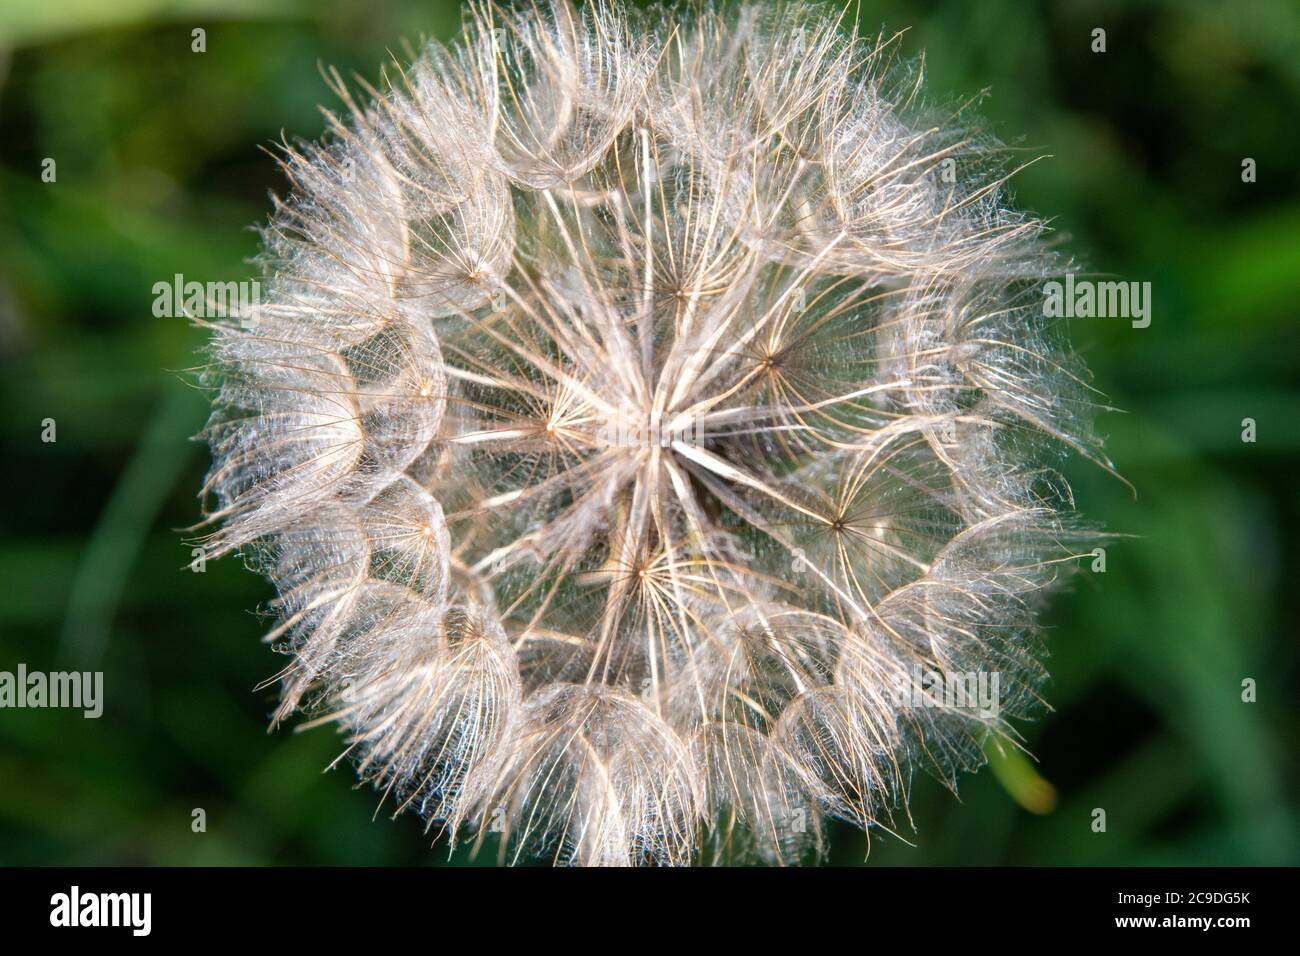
pixel 643 412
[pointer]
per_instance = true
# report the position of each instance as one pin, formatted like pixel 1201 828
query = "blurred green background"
pixel 161 169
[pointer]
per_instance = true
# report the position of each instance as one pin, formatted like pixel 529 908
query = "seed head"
pixel 646 411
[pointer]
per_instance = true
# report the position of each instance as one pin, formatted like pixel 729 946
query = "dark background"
pixel 161 169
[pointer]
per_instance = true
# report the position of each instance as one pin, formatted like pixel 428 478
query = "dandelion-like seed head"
pixel 641 405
